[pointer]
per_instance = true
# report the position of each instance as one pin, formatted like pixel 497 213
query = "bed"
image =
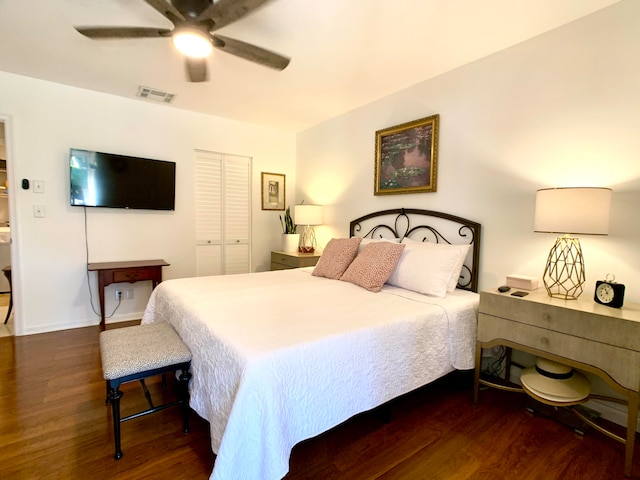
pixel 279 357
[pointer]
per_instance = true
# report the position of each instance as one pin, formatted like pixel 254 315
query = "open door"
pixel 7 326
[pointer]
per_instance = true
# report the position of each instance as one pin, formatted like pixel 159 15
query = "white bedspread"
pixel 279 357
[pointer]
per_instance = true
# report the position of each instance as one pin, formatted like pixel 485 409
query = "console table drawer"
pixel 287 260
pixel 621 364
pixel 611 328
pixel 133 275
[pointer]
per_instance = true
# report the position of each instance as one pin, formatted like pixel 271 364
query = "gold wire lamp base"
pixel 307 240
pixel 564 273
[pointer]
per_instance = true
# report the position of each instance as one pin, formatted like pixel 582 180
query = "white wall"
pixel 561 109
pixel 46 119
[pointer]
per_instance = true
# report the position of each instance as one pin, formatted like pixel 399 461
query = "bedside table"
pixel 579 333
pixel 287 260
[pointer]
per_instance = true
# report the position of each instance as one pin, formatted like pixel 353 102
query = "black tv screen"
pixel 118 181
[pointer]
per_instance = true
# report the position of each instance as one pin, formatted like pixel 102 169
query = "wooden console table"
pixel 579 333
pixel 120 272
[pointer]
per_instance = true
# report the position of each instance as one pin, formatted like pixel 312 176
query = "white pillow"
pixel 455 276
pixel 428 268
pixel 367 241
pixel 462 250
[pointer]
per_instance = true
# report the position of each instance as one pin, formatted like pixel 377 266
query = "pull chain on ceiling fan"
pixel 194 22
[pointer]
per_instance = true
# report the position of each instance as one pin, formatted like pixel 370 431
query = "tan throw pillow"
pixel 336 257
pixel 372 267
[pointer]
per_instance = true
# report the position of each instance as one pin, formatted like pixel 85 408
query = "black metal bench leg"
pixel 114 398
pixel 147 394
pixel 185 376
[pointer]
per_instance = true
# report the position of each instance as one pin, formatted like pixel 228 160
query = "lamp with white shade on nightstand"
pixel 308 215
pixel 570 211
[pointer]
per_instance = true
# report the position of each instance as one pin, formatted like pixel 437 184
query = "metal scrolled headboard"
pixel 425 226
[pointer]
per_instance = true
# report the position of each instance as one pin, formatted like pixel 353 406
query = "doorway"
pixel 8 328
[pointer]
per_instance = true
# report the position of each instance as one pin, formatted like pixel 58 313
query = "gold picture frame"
pixel 274 191
pixel 407 157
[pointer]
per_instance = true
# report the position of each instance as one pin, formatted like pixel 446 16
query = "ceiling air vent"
pixel 155 94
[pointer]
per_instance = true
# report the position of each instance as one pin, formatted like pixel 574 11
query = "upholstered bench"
pixel 139 352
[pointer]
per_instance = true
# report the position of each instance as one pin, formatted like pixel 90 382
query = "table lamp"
pixel 308 215
pixel 579 210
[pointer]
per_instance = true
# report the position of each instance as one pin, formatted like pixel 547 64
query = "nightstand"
pixel 578 333
pixel 286 260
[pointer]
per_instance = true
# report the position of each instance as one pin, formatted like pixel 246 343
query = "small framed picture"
pixel 273 191
pixel 407 157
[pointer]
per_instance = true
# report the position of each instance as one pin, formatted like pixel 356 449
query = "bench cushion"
pixel 131 350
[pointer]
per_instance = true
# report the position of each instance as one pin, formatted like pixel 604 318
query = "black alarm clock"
pixel 609 293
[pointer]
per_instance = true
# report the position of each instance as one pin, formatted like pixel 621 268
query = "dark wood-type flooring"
pixel 54 424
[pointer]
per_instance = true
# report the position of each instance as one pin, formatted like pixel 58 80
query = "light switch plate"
pixel 38 186
pixel 38 211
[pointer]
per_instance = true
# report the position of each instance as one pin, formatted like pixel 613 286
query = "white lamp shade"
pixel 308 214
pixel 580 210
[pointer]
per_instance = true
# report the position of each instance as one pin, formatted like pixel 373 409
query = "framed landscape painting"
pixel 273 191
pixel 407 157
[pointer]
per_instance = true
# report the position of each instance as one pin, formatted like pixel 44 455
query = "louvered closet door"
pixel 223 213
pixel 208 192
pixel 236 214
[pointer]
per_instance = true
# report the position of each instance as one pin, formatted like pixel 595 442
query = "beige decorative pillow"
pixel 336 257
pixel 372 267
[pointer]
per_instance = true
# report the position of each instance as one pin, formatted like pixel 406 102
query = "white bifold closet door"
pixel 222 186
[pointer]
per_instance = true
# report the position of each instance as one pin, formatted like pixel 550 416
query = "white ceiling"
pixel 345 53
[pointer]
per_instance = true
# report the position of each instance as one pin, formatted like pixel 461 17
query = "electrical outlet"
pixel 38 211
pixel 118 294
pixel 38 186
pixel 128 294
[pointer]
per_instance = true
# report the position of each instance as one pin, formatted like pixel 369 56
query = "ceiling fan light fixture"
pixel 192 42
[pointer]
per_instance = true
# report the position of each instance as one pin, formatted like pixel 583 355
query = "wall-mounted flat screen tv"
pixel 118 181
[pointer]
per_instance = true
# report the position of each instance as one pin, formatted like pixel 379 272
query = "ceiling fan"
pixel 194 22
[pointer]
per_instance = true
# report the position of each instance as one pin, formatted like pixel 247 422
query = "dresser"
pixel 286 260
pixel 579 333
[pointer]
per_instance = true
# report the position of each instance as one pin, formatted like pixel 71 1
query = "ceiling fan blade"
pixel 122 32
pixel 250 52
pixel 166 9
pixel 196 69
pixel 225 12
